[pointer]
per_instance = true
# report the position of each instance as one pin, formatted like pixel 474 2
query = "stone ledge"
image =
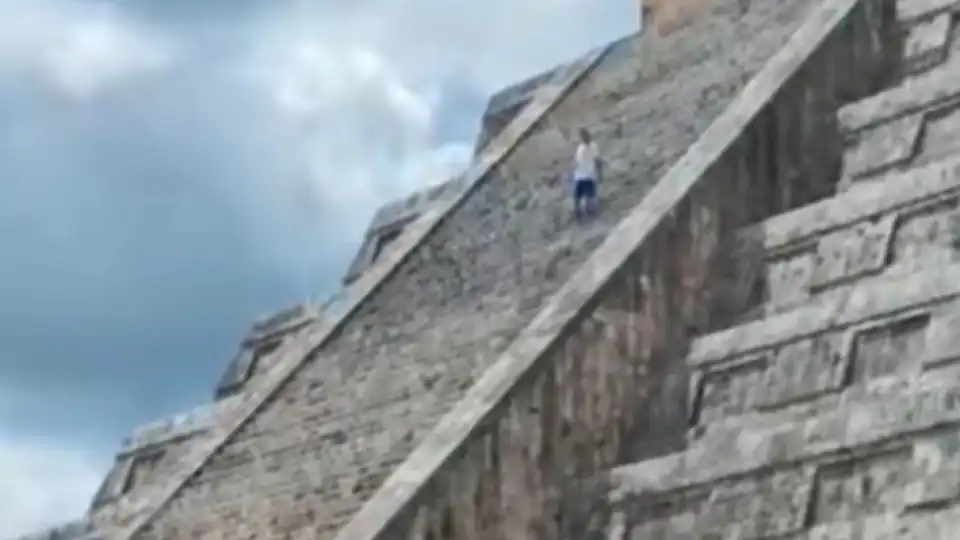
pixel 283 321
pixel 930 403
pixel 184 424
pixel 934 88
pixel 544 100
pixel 400 489
pixel 893 192
pixel 941 525
pixel 912 10
pixel 927 43
pixel 872 299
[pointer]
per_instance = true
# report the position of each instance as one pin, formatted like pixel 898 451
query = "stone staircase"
pixel 350 403
pixel 596 379
pixel 753 341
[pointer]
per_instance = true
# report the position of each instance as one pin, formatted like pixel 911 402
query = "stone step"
pixel 911 11
pixel 902 222
pixel 891 453
pixel 916 121
pixel 933 89
pixel 784 365
pixel 662 110
pixel 927 43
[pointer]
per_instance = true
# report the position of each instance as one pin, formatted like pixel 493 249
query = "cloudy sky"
pixel 170 169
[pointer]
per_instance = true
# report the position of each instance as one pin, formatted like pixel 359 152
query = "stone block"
pixel 882 147
pixel 853 253
pixel 806 369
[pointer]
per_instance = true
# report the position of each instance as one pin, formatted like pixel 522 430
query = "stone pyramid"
pixel 754 340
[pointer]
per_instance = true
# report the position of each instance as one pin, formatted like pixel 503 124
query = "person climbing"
pixel 586 175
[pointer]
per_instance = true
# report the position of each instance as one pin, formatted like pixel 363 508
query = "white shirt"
pixel 586 162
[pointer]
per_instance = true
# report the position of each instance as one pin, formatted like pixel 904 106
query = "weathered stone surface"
pixel 862 302
pixel 898 224
pixel 895 192
pixel 483 251
pixel 927 43
pixel 493 359
pixel 860 386
pixel 894 416
pixel 931 89
pixel 884 147
pixel 811 352
pixel 852 253
pixel 910 11
pixel 889 453
pixel 474 461
pixel 181 425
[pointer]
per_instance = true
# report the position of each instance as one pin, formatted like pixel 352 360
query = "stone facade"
pixel 753 340
pixel 323 444
pixel 832 412
pixel 597 382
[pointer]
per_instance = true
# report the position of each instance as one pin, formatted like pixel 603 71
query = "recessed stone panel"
pixel 933 491
pixel 806 369
pixel 727 391
pixel 856 486
pixel 938 485
pixel 768 506
pixel 854 252
pixel 886 348
pixel 925 237
pixel 673 514
pixel 927 43
pixel 788 279
pixel 883 147
pixel 941 135
pixel 942 345
pixel 763 505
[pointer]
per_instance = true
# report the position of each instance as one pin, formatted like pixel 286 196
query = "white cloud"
pixel 42 484
pixel 80 49
pixel 489 44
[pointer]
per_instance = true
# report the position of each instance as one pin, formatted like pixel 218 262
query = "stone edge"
pixel 922 92
pixel 872 299
pixel 759 450
pixel 401 488
pixel 544 100
pixel 896 191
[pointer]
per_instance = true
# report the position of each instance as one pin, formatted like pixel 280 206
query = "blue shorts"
pixel 584 188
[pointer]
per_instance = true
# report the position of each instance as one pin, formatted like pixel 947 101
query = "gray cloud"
pixel 174 169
